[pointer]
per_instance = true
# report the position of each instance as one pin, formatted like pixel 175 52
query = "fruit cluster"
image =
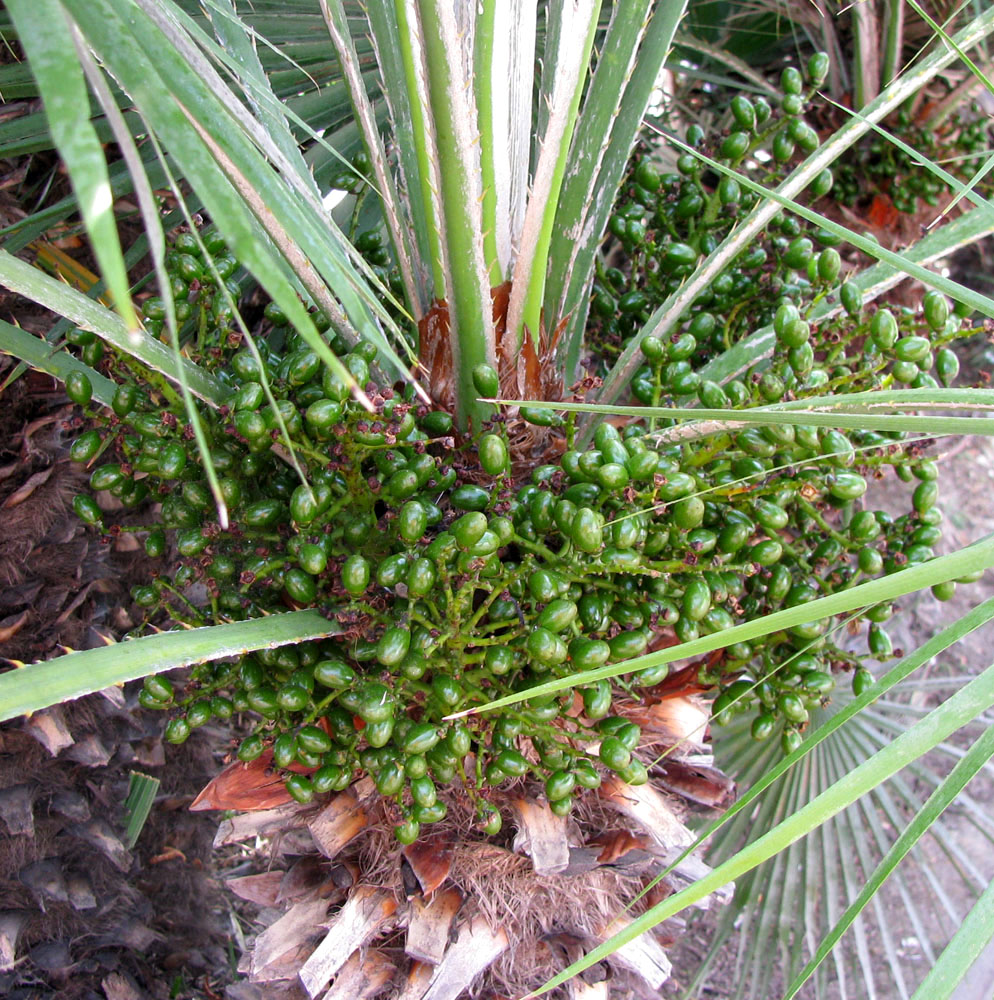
pixel 666 222
pixel 452 582
pixel 881 167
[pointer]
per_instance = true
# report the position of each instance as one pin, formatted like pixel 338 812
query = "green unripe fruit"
pixel 389 779
pixel 905 371
pixel 79 388
pixel 822 183
pixel 851 298
pixel 796 334
pixel 86 446
pixel 803 134
pixel 763 726
pixel 471 498
pixel 557 615
pixel 392 570
pixel 587 530
pixel 292 697
pixel 711 395
pixel 423 792
pixel 393 646
pixel 883 329
pixel 251 425
pixel 792 104
pixel 911 349
pixel 792 707
pixel 355 575
pixel 946 366
pixel 545 647
pixel 791 81
pixel 879 643
pixel 798 253
pixel 540 416
pixel 647 176
pixel 313 739
pixel 786 317
pixel 250 748
pixel 783 147
pixel 412 521
pixel 92 353
pixel 936 309
pixel 925 496
pixel 437 423
pixel 468 529
pixel 829 265
pixel 688 513
pixel 493 454
pixel 614 754
pixel 300 586
pixel 653 350
pixel 322 415
pixel 862 680
pixel 176 731
pixel 846 485
pixel 818 68
pixel 743 112
pixel 869 560
pixel 421 576
pixel 735 146
pixel 125 399
pixel 696 599
pixel 559 784
pixel 692 204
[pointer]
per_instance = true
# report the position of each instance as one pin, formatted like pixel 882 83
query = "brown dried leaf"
pixel 295 928
pixel 11 625
pixel 418 978
pixel 28 487
pixel 429 924
pixel 338 823
pixel 50 730
pixel 245 787
pixel 260 823
pixel 616 843
pixel 354 925
pixel 644 956
pixel 305 876
pixel 706 786
pixel 430 859
pixel 262 889
pixel 475 947
pixel 542 836
pixel 645 806
pixel 362 976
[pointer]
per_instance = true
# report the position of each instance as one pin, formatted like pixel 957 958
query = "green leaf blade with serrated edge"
pixel 35 686
pixel 87 314
pixel 48 41
pixel 594 173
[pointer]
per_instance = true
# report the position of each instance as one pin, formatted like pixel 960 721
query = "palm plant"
pixel 496 138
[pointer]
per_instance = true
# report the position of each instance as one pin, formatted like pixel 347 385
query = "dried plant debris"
pixel 459 914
